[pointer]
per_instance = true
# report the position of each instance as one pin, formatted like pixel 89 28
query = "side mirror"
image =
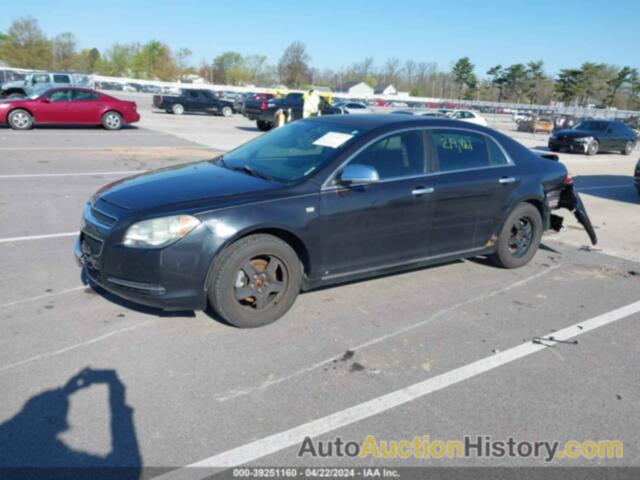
pixel 356 174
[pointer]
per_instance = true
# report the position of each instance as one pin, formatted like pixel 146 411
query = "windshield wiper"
pixel 254 173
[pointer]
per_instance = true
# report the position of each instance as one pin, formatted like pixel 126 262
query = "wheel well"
pixel 111 110
pixel 292 240
pixel 20 108
pixel 14 90
pixel 539 205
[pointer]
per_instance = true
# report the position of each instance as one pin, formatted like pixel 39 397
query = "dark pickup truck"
pixel 193 100
pixel 263 112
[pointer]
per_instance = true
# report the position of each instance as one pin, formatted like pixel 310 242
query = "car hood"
pixel 184 186
pixel 14 84
pixel 570 133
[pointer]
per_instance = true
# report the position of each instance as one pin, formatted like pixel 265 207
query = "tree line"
pixel 25 45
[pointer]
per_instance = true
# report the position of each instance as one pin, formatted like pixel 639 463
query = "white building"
pixel 359 89
pixel 388 90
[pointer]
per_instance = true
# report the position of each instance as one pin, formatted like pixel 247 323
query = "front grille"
pixel 103 218
pixel 94 245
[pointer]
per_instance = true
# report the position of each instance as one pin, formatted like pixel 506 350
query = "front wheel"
pixel 255 281
pixel 593 147
pixel 112 121
pixel 519 238
pixel 20 120
pixel 628 148
pixel 227 111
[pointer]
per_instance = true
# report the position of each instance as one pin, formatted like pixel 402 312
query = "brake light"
pixel 567 180
pixel 263 106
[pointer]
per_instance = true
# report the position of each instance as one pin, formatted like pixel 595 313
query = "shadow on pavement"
pixel 31 447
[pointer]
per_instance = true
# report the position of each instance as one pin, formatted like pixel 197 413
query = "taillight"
pixel 567 180
pixel 263 106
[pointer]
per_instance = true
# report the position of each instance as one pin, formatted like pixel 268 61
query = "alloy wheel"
pixel 112 121
pixel 261 282
pixel 20 120
pixel 521 236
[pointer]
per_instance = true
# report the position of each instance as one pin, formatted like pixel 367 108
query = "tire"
pixel 177 108
pixel 20 119
pixel 593 147
pixel 628 148
pixel 15 96
pixel 513 249
pixel 264 126
pixel 227 111
pixel 168 110
pixel 554 149
pixel 112 121
pixel 272 263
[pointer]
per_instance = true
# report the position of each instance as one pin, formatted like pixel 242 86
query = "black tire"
pixel 628 148
pixel 593 147
pixel 20 119
pixel 514 247
pixel 264 125
pixel 227 111
pixel 177 109
pixel 112 121
pixel 255 281
pixel 168 110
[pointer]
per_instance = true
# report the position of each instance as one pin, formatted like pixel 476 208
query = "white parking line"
pixel 107 148
pixel 75 346
pixel 246 391
pixel 44 295
pixel 83 174
pixel 603 187
pixel 38 237
pixel 294 436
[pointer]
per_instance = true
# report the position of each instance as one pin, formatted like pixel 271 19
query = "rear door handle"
pixel 422 190
pixel 505 180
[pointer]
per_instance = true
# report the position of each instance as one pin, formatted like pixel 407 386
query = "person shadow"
pixel 30 447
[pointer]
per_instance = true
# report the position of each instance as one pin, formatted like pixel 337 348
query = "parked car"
pixel 421 112
pixel 193 100
pixel 468 116
pixel 263 113
pixel 8 75
pixel 38 81
pixel 346 107
pixel 536 124
pixel 256 102
pixel 67 106
pixel 593 136
pixel 636 177
pixel 320 201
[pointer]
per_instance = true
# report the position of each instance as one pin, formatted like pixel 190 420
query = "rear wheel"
pixel 519 238
pixel 554 149
pixel 112 121
pixel 227 111
pixel 20 120
pixel 255 281
pixel 628 148
pixel 177 109
pixel 264 125
pixel 593 147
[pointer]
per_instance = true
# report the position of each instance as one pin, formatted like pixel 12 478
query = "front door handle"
pixel 421 190
pixel 505 180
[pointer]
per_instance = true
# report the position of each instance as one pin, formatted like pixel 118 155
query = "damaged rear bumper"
pixel 570 199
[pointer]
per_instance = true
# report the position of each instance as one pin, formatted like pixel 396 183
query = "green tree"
pixel 229 69
pixel 623 77
pixel 88 60
pixel 567 85
pixel 464 77
pixel 293 66
pixel 535 80
pixel 65 56
pixel 515 81
pixel 26 46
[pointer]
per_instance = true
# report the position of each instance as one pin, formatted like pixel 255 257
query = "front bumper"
pixel 568 146
pixel 170 278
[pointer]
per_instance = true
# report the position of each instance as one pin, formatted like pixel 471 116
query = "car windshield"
pixel 591 125
pixel 290 153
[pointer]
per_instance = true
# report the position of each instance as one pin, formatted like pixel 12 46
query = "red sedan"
pixel 68 106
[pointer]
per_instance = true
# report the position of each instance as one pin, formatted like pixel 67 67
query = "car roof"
pixel 374 121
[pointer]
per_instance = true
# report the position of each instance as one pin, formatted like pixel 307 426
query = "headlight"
pixel 159 232
pixel 583 139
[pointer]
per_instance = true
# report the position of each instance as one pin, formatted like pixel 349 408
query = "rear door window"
pixel 61 79
pixel 80 95
pixel 461 150
pixel 40 78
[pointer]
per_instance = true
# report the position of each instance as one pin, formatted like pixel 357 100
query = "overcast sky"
pixel 562 33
